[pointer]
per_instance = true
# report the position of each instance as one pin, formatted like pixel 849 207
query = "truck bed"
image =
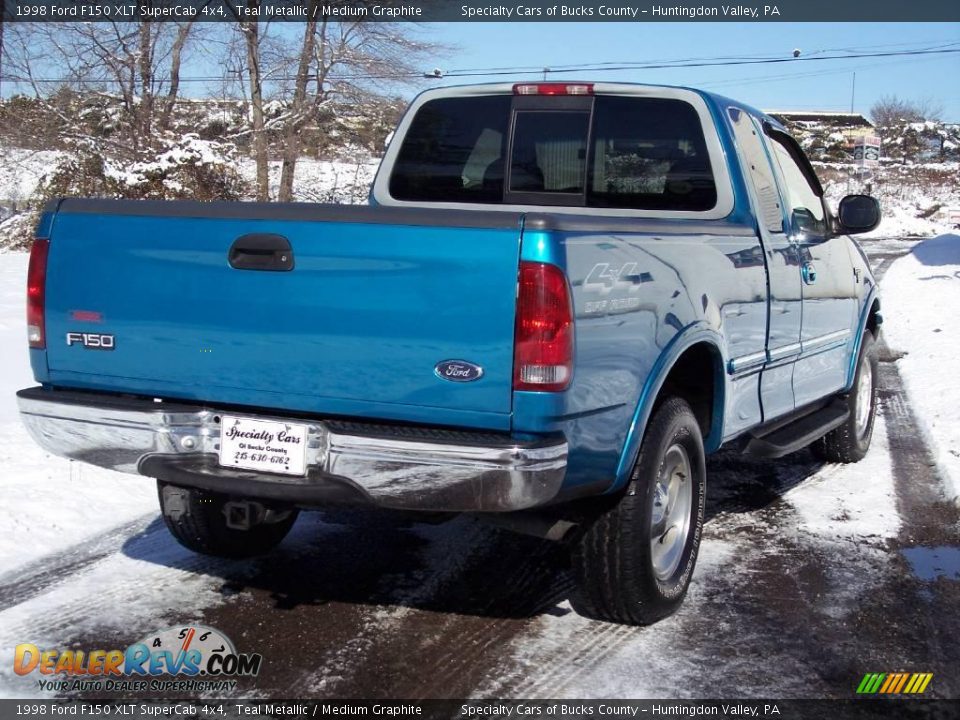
pixel 352 323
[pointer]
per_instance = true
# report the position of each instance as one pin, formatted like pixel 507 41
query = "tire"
pixel 627 570
pixel 197 520
pixel 850 442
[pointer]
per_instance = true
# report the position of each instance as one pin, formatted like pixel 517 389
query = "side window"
pixel 757 165
pixel 804 205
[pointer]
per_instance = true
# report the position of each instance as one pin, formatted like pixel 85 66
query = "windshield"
pixel 609 152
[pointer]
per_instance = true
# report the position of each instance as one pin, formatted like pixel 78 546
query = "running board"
pixel 799 433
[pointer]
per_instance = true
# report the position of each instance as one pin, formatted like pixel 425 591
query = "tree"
pixel 348 62
pixel 891 110
pixel 293 76
pixel 132 65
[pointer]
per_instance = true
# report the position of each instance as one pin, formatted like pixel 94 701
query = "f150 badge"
pixel 458 371
pixel 91 341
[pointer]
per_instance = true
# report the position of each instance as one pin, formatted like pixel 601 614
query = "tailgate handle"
pixel 261 251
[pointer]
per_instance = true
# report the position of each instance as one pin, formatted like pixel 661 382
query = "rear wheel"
pixel 634 562
pixel 851 441
pixel 214 524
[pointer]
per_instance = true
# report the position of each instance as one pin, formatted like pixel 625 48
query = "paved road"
pixel 811 575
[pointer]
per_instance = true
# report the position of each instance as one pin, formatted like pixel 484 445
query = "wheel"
pixel 634 562
pixel 849 442
pixel 199 521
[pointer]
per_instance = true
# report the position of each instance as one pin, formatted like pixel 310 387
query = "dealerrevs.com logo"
pixel 177 659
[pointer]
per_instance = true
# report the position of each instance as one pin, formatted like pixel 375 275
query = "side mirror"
pixel 858 214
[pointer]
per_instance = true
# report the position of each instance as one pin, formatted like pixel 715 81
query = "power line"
pixel 588 67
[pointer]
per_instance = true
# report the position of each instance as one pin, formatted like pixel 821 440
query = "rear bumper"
pixel 398 467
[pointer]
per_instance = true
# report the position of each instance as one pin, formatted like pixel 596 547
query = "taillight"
pixel 543 343
pixel 36 289
pixel 553 89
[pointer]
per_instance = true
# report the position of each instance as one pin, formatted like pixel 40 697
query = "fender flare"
pixel 872 297
pixel 688 337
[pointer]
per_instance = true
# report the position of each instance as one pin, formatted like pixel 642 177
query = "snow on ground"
pixel 21 171
pixel 908 207
pixel 921 295
pixel 850 501
pixel 48 503
pixel 322 180
pixel 842 511
pixel 343 181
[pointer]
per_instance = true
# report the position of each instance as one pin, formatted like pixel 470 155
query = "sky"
pixel 803 84
pixel 807 85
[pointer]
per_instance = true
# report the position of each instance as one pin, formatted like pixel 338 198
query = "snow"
pixel 21 171
pixel 189 150
pixel 322 180
pixel 346 180
pixel 48 503
pixel 854 501
pixel 921 294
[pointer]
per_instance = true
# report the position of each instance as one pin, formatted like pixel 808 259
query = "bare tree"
pixel 892 110
pixel 130 64
pixel 350 62
pixel 253 39
pixel 3 21
pixel 251 32
pixel 289 74
pixel 176 59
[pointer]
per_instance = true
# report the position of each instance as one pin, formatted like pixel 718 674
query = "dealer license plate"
pixel 263 445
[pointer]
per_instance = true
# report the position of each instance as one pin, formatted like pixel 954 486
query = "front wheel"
pixel 634 562
pixel 214 524
pixel 849 442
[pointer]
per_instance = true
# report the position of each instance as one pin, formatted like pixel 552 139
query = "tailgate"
pixel 357 327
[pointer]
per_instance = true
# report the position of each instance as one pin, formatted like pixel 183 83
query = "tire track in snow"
pixel 39 575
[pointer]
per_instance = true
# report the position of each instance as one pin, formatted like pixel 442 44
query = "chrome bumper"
pixel 404 468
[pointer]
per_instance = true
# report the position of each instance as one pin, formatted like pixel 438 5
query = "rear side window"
pixel 616 152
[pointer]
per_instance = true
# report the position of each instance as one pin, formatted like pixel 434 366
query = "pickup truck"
pixel 560 298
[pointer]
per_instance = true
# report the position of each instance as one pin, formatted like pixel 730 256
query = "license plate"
pixel 263 445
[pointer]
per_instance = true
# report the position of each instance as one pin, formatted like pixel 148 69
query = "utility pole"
pixel 853 89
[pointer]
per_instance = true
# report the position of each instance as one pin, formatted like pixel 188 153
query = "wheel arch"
pixel 870 319
pixel 691 366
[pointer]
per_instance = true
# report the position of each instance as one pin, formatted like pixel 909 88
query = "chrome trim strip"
pixel 783 352
pixel 821 343
pixel 392 472
pixel 817 343
pixel 737 365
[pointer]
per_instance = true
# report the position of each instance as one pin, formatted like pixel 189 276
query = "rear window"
pixel 453 151
pixel 613 152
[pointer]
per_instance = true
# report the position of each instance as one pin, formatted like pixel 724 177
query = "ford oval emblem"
pixel 458 371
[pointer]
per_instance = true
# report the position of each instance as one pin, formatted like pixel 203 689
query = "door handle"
pixel 261 251
pixel 809 273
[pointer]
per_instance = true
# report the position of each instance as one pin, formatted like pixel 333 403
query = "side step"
pixel 799 433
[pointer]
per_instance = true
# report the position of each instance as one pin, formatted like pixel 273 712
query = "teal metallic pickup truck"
pixel 559 299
